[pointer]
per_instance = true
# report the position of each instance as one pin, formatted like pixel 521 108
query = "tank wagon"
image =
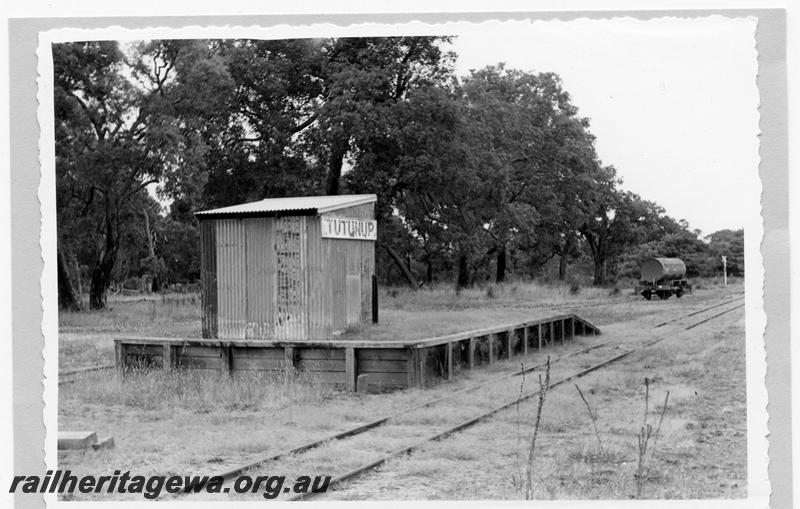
pixel 663 277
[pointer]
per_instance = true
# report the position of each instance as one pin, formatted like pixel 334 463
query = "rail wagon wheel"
pixel 679 293
pixel 647 294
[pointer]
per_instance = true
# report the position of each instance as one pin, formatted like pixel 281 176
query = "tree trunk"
pixel 428 270
pixel 463 272
pixel 566 251
pixel 67 300
pixel 155 283
pixel 402 266
pixel 78 278
pixel 501 265
pixel 101 275
pixel 335 163
pixel 150 247
pixel 599 271
pixel 562 266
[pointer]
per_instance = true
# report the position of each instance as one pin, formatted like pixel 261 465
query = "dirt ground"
pixel 186 424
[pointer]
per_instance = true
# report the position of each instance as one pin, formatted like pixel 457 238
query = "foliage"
pixel 477 177
pixel 122 124
pixel 702 257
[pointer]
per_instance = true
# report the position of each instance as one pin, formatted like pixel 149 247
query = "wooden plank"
pixel 435 363
pixel 449 361
pixel 325 377
pixel 539 334
pixel 350 369
pixel 382 354
pixel 200 362
pixel 321 353
pixel 471 353
pixel 373 383
pixel 571 328
pixel 167 356
pixel 389 378
pixel 490 339
pixel 333 343
pixel 525 340
pixel 200 351
pixel 411 373
pixel 119 354
pixel 289 365
pixel 509 343
pixel 321 365
pixel 156 350
pixel 257 364
pixel 258 353
pixel 382 366
pixel 422 360
pixel 228 357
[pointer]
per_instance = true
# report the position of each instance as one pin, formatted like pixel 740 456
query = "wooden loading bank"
pixel 281 278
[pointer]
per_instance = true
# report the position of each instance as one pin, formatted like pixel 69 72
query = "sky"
pixel 673 102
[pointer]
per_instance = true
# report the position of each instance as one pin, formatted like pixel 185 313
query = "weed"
pixel 593 416
pixel 646 432
pixel 660 421
pixel 544 385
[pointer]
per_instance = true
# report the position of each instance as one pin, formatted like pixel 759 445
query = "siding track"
pixel 491 389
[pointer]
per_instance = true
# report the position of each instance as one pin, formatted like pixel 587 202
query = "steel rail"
pixel 81 371
pixel 232 473
pixel 229 474
pixel 474 420
pixel 697 312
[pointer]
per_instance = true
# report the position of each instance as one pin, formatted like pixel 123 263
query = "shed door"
pixel 353 299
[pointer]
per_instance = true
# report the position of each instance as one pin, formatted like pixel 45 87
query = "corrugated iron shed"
pixel 299 205
pixel 271 271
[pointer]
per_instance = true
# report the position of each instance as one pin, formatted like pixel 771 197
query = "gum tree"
pixel 123 124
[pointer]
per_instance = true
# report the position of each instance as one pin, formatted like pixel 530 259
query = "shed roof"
pixel 297 205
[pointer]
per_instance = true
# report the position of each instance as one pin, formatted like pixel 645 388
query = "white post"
pixel 724 271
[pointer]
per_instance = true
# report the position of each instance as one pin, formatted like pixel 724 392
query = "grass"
pixel 701 448
pixel 194 422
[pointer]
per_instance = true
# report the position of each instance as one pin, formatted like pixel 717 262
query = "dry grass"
pixel 701 449
pixel 193 422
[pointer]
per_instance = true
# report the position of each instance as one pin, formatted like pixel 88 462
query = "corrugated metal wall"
pixel 231 278
pixel 277 278
pixel 208 277
pixel 336 266
pixel 261 277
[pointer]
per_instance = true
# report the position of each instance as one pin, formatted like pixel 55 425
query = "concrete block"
pixel 68 440
pixel 106 443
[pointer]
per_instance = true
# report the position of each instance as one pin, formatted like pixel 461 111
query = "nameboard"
pixel 349 228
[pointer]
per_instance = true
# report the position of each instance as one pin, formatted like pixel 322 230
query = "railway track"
pixel 489 391
pixel 73 375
